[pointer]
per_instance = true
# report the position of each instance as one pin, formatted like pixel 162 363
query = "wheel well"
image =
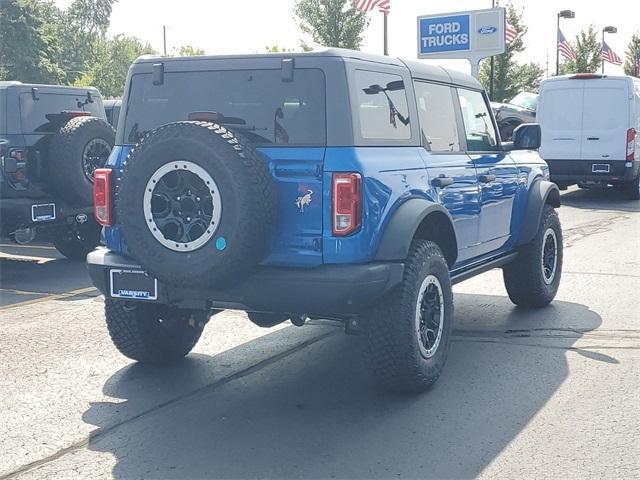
pixel 553 198
pixel 437 227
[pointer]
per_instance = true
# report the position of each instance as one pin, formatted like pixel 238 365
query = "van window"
pixel 382 106
pixel 437 117
pixel 257 103
pixel 479 130
pixel 33 113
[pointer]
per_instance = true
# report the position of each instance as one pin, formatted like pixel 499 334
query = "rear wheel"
pixel 408 332
pixel 153 333
pixel 632 189
pixel 533 278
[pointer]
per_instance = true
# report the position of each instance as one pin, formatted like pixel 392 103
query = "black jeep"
pixel 52 138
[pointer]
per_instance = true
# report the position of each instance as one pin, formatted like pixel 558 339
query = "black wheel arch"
pixel 541 192
pixel 418 218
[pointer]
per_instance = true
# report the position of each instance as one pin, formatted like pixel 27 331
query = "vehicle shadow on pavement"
pixel 318 414
pixel 600 199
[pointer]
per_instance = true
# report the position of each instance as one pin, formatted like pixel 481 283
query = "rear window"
pixel 33 113
pixel 382 106
pixel 259 103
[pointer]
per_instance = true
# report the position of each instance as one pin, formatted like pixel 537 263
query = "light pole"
pixel 561 14
pixel 608 29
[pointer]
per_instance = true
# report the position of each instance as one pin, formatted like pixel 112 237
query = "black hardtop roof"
pixel 417 69
pixel 65 88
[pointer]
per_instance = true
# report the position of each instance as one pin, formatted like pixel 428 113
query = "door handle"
pixel 593 138
pixel 442 181
pixel 487 178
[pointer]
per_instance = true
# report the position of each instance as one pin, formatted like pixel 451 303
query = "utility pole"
pixel 386 45
pixel 164 39
pixel 493 5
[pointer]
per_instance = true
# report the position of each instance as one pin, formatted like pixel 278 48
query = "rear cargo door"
pixel 605 119
pixel 560 117
pixel 297 239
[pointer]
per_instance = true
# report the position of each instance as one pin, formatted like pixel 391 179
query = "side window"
pixel 382 106
pixel 479 131
pixel 437 117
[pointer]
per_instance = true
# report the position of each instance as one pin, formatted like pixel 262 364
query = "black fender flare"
pixel 540 193
pixel 403 225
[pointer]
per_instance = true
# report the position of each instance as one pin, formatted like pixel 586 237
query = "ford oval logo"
pixel 487 30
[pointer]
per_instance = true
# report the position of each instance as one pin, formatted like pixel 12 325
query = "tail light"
pixel 102 196
pixel 631 144
pixel 14 166
pixel 347 203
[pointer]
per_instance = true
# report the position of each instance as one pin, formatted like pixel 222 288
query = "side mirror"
pixel 527 136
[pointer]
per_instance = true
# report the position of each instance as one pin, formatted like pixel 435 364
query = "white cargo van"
pixel 591 130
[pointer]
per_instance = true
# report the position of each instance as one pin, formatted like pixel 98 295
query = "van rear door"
pixel 560 117
pixel 605 119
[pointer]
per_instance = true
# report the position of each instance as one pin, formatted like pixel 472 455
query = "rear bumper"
pixel 573 171
pixel 17 213
pixel 325 290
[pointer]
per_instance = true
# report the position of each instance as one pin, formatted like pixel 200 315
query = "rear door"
pixel 605 119
pixel 282 113
pixel 560 116
pixel 451 172
pixel 496 170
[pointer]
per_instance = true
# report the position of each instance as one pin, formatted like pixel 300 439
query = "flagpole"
pixel 386 47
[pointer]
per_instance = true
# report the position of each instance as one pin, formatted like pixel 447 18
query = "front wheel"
pixel 533 278
pixel 153 333
pixel 408 332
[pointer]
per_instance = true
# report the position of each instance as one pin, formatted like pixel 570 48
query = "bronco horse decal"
pixel 304 200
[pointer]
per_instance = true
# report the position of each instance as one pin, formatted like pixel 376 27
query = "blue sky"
pixel 242 26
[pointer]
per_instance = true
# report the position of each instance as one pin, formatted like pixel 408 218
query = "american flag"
pixel 368 5
pixel 565 47
pixel 510 33
pixel 609 55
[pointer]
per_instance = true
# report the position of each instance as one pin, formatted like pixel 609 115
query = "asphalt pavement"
pixel 553 393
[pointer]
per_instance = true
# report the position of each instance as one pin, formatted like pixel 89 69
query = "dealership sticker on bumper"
pixel 133 284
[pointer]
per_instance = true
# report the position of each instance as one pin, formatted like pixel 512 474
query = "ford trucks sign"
pixel 473 35
pixel 444 34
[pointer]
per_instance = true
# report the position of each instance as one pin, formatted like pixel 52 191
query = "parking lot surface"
pixel 551 393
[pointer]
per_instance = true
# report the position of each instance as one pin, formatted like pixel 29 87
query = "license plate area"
pixel 43 212
pixel 133 284
pixel 600 168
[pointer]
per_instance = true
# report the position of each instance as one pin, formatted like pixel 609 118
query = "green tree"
pixel 188 51
pixel 632 55
pixel 82 36
pixel 110 63
pixel 28 42
pixel 510 77
pixel 588 52
pixel 277 49
pixel 332 23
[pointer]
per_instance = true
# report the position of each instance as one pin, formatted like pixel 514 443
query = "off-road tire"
pixel 65 169
pixel 78 241
pixel 390 327
pixel 248 199
pixel 524 277
pixel 138 333
pixel 632 189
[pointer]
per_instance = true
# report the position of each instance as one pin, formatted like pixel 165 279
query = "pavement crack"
pixel 573 234
pixel 206 388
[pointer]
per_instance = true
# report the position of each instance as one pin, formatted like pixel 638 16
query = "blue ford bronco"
pixel 331 184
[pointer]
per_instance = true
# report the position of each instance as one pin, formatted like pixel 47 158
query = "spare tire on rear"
pixel 81 145
pixel 196 204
